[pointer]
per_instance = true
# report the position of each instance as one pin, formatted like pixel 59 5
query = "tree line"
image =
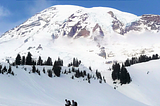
pixel 120 72
pixel 4 70
pixel 28 60
pixel 140 59
pixel 56 67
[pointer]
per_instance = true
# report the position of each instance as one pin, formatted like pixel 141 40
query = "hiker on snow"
pixel 74 103
pixel 68 103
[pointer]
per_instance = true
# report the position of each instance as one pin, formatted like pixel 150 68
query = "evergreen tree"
pixel 155 56
pixel 9 70
pixel 33 69
pixel 23 60
pixel 75 62
pixel 88 76
pixel 124 76
pixel 33 62
pixel 49 61
pixel 127 62
pixel 60 62
pixel 12 73
pixel 40 61
pixel 90 68
pixel 98 75
pixel 44 70
pixel 38 72
pixel 77 75
pixel 84 73
pixel 57 71
pixel 69 71
pixel 73 69
pixel 57 67
pixel 116 71
pixel 29 59
pixel 49 73
pixel 4 69
pixel 18 60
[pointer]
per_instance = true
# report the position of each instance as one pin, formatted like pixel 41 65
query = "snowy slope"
pixel 34 90
pixel 145 84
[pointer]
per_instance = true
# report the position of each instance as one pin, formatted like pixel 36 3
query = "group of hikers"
pixel 68 103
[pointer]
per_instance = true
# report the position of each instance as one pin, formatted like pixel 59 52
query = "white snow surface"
pixel 34 90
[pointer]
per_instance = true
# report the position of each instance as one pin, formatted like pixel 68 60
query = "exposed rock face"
pixel 117 25
pixel 75 22
pixel 99 29
pixel 78 28
pixel 74 29
pixel 84 33
pixel 146 22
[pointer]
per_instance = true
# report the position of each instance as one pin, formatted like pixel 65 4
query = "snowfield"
pixel 34 90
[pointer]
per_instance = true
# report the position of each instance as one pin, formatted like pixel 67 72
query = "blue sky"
pixel 15 12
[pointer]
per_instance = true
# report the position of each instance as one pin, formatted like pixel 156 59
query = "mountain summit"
pixel 101 26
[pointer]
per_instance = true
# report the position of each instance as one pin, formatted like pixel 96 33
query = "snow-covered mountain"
pixel 97 29
pixel 98 36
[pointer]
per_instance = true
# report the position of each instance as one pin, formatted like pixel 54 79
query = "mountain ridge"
pixel 97 29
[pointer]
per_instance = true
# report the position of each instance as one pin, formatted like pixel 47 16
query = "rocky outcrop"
pixel 98 29
pixel 117 25
pixel 74 29
pixel 75 25
pixel 145 22
pixel 84 33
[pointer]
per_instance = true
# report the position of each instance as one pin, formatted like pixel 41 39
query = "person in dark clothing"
pixel 74 103
pixel 67 102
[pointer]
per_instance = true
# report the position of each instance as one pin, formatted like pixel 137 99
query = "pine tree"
pixel 18 60
pixel 44 70
pixel 90 68
pixel 124 76
pixel 84 73
pixel 88 76
pixel 4 69
pixel 77 75
pixel 9 70
pixel 57 71
pixel 49 73
pixel 23 60
pixel 12 73
pixel 74 62
pixel 127 62
pixel 49 61
pixel 98 75
pixel 33 69
pixel 40 61
pixel 73 69
pixel 116 71
pixel 29 59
